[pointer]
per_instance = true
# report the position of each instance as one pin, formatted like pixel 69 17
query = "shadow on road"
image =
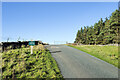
pixel 55 51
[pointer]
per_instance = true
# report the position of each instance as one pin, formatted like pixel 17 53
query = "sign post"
pixel 31 43
pixel 31 49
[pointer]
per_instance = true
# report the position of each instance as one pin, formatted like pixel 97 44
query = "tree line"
pixel 102 32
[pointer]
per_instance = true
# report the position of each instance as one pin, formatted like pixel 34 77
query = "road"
pixel 74 63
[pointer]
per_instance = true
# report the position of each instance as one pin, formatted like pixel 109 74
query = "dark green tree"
pixel 103 32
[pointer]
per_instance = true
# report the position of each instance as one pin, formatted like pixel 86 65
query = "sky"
pixel 60 0
pixel 51 21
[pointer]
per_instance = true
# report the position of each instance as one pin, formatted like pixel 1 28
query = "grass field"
pixel 20 63
pixel 106 53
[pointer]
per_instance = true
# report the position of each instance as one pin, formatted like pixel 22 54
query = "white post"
pixel 31 49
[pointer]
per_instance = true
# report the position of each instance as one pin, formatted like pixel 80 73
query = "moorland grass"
pixel 20 63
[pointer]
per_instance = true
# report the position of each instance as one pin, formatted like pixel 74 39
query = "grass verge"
pixel 106 53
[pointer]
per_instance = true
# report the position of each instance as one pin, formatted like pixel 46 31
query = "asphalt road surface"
pixel 74 63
